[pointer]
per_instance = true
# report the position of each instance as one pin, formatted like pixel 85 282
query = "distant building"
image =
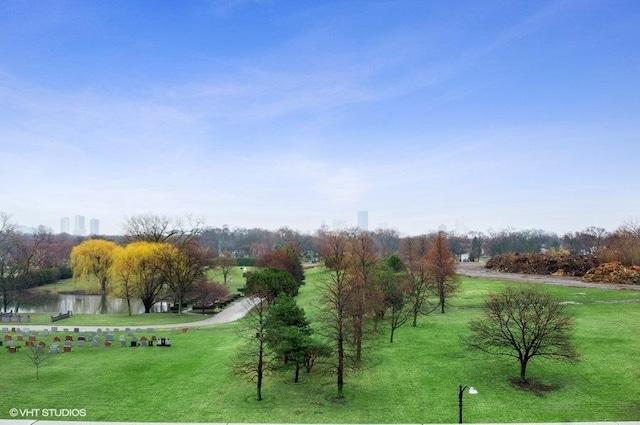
pixel 65 225
pixel 79 228
pixel 363 220
pixel 94 226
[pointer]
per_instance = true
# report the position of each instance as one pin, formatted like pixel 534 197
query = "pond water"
pixel 40 302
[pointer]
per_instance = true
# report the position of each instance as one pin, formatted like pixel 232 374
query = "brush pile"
pixel 544 264
pixel 614 272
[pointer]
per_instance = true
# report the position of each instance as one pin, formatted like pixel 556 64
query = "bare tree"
pixel 225 262
pixel 596 237
pixel 336 295
pixel 396 300
pixel 413 251
pixel 38 357
pixel 623 245
pixel 387 241
pixel 161 228
pixel 364 295
pixel 522 324
pixel 254 359
pixel 441 269
pixel 182 268
pixel 7 266
pixel 20 255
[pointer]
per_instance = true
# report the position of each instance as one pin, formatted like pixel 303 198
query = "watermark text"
pixel 47 413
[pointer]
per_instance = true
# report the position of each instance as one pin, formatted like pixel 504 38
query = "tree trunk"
pixel 259 380
pixel 359 340
pixel 340 371
pixel 523 370
pixel 295 379
pixel 180 303
pixel 147 304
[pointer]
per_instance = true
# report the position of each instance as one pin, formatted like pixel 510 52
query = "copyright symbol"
pixel 14 412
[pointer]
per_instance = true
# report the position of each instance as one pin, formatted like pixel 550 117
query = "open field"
pixel 413 380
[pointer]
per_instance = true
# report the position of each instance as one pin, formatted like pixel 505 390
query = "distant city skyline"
pixel 267 114
pixel 360 221
pixel 79 228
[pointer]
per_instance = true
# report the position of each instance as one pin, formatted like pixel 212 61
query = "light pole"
pixel 472 391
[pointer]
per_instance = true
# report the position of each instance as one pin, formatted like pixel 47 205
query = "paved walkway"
pixel 233 312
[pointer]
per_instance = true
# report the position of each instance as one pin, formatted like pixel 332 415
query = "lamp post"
pixel 472 391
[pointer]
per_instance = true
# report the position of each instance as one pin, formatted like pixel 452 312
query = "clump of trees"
pixel 162 258
pixel 361 288
pixel 28 260
pixel 623 245
pixel 277 334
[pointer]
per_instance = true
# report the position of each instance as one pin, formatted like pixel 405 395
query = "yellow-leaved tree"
pixel 137 272
pixel 93 257
pixel 124 275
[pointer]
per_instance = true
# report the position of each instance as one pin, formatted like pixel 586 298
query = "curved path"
pixel 233 312
pixel 477 269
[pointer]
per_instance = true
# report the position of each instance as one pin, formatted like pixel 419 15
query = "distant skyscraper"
pixel 94 226
pixel 64 225
pixel 363 220
pixel 79 228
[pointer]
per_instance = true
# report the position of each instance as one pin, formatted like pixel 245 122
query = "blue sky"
pixel 475 115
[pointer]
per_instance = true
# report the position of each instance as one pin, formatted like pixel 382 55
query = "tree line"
pixel 24 256
pixel 622 244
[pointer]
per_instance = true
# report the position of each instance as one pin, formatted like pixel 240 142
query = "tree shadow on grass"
pixel 534 386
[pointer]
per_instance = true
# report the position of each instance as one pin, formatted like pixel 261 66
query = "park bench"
pixel 61 316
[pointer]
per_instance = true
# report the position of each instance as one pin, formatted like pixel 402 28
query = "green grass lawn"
pixel 413 380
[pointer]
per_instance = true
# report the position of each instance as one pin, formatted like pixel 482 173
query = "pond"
pixel 42 302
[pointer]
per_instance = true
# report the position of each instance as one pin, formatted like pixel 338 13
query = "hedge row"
pixel 40 277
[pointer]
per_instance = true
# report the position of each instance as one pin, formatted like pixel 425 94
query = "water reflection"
pixel 44 302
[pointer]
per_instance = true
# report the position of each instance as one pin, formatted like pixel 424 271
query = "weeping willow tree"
pixel 93 258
